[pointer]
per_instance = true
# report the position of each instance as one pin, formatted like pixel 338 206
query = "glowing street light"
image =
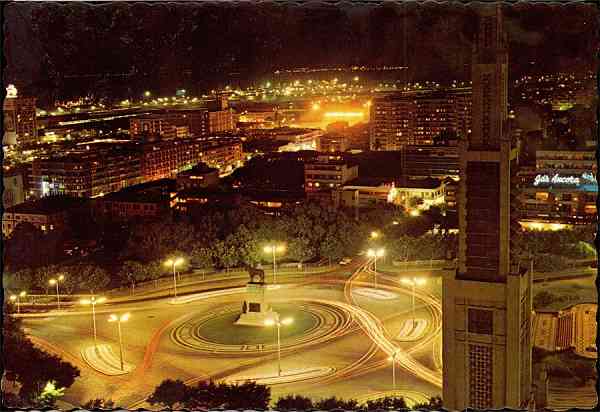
pixel 147 93
pixel 374 234
pixel 174 262
pixel 278 323
pixel 119 319
pixel 93 301
pixel 17 298
pixel 375 254
pixel 272 249
pixel 393 360
pixel 56 282
pixel 413 282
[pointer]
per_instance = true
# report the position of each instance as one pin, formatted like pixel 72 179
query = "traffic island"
pixel 412 330
pixel 102 359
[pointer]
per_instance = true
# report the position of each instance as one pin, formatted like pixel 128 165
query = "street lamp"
pixel 413 282
pixel 393 360
pixel 174 262
pixel 56 282
pixel 375 254
pixel 272 249
pixel 93 301
pixel 119 319
pixel 17 298
pixel 374 234
pixel 278 323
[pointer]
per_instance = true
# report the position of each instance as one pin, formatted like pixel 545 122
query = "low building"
pixel 332 143
pixel 191 200
pixel 274 202
pixel 48 214
pixel 411 194
pixel 325 174
pixel 200 176
pixel 144 201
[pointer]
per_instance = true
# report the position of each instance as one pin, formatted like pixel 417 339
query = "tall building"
pixel 20 125
pixel 419 117
pixel 487 300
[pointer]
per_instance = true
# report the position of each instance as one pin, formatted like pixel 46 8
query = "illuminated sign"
pixel 564 180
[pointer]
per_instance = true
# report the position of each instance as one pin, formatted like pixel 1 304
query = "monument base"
pixel 255 318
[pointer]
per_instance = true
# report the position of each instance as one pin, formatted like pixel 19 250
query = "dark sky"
pixel 56 50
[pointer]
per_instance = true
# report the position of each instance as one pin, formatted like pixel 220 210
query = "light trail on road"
pixel 374 329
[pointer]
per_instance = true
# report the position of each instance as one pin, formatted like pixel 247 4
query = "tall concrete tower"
pixel 487 299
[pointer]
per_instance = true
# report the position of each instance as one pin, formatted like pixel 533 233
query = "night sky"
pixel 57 50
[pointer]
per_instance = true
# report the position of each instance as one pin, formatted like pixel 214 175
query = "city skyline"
pixel 317 207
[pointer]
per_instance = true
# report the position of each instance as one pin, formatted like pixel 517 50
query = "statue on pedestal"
pixel 255 309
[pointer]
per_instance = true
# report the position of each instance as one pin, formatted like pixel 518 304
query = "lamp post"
pixel 278 323
pixel 17 298
pixel 413 282
pixel 119 319
pixel 93 301
pixel 375 254
pixel 393 360
pixel 174 262
pixel 272 249
pixel 56 282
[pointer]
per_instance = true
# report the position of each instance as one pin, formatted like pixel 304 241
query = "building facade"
pixel 325 174
pixel 332 143
pixel 419 117
pixel 487 299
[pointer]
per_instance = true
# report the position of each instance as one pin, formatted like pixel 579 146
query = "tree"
pixel 98 403
pixel 26 248
pixel 33 380
pixel 388 402
pixel 50 394
pixel 434 404
pixel 291 402
pixel 133 272
pixel 169 393
pixel 332 247
pixel 333 403
pixel 87 278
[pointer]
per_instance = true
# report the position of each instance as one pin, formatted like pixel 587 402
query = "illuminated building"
pixel 418 117
pixel 167 158
pixel 91 172
pixel 332 143
pixel 101 168
pixel 325 174
pixel 362 193
pixel 298 139
pixel 152 127
pixel 20 122
pixel 487 299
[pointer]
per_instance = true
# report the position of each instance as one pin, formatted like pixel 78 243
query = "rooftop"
pixel 150 192
pixel 47 205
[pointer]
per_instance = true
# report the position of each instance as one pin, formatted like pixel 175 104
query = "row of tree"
pixel 250 395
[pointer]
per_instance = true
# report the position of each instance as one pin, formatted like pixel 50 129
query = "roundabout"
pixel 215 332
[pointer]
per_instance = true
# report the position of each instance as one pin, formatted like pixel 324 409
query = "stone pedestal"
pixel 255 309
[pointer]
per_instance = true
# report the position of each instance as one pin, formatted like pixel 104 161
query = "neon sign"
pixel 565 180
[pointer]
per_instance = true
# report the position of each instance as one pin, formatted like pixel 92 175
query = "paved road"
pixel 359 365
